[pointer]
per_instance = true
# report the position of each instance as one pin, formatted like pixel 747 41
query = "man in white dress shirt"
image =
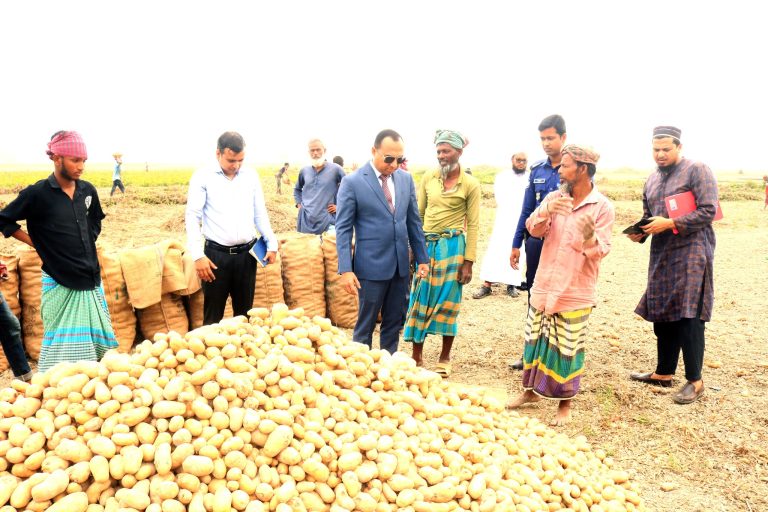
pixel 228 202
pixel 508 188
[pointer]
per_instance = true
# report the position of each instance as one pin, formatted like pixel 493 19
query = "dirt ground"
pixel 713 454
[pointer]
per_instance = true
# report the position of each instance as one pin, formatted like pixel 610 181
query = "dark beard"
pixel 518 172
pixel 667 168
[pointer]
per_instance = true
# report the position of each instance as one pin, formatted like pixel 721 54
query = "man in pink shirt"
pixel 575 222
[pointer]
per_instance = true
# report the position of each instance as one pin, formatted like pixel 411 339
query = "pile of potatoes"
pixel 281 412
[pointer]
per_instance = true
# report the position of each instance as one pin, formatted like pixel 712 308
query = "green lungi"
pixel 553 357
pixel 435 300
pixel 76 325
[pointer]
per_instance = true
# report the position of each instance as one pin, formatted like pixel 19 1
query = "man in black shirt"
pixel 64 217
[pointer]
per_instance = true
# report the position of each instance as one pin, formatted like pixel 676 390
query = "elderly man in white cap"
pixel 449 205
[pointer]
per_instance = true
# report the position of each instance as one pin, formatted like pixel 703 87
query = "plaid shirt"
pixel 680 270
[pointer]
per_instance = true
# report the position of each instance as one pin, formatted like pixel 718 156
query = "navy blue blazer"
pixel 381 237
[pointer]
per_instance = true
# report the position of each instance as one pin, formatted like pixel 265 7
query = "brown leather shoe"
pixel 688 394
pixel 646 378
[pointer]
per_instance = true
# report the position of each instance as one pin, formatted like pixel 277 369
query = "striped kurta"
pixel 435 300
pixel 553 357
pixel 680 269
pixel 76 325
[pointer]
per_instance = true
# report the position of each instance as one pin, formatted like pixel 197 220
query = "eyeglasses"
pixel 389 159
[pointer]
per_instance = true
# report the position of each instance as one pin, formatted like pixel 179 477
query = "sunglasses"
pixel 389 159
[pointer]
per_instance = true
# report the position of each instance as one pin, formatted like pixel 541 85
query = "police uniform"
pixel 543 179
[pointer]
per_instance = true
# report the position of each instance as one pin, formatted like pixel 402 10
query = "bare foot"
pixel 563 414
pixel 527 397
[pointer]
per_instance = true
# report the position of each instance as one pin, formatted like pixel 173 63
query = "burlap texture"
pixel 10 287
pixel 269 285
pixel 303 272
pixel 342 306
pixel 167 315
pixel 30 295
pixel 194 304
pixel 153 270
pixel 119 305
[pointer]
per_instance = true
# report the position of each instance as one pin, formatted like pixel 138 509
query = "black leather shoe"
pixel 484 291
pixel 646 378
pixel 688 394
pixel 512 291
pixel 517 365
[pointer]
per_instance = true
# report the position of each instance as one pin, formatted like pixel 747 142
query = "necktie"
pixel 387 193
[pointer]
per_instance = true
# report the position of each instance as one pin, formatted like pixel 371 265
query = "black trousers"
pixel 686 334
pixel 235 277
pixel 389 297
pixel 532 256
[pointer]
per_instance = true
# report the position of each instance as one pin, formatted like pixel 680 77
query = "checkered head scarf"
pixel 451 137
pixel 580 153
pixel 67 143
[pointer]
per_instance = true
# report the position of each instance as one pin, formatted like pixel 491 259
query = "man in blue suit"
pixel 378 203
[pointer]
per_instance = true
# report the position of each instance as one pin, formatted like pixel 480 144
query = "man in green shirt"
pixel 449 205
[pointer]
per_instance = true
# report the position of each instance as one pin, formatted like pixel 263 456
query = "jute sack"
pixel 269 285
pixel 30 294
pixel 167 315
pixel 10 287
pixel 174 277
pixel 3 361
pixel 194 304
pixel 303 272
pixel 342 306
pixel 116 293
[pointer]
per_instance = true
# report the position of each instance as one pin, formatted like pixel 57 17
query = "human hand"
pixel 465 272
pixel 514 258
pixel 349 282
pixel 204 268
pixel 637 237
pixel 658 225
pixel 332 208
pixel 562 205
pixel 271 256
pixel 423 270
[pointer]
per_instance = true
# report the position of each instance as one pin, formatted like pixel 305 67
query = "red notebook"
pixel 683 203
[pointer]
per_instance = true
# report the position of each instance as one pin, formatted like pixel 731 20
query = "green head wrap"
pixel 451 137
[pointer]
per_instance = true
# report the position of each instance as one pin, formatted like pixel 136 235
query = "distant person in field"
pixel 117 181
pixel 225 207
pixel 10 337
pixel 64 215
pixel 542 180
pixel 449 205
pixel 377 205
pixel 404 165
pixel 280 176
pixel 508 189
pixel 315 191
pixel 765 182
pixel 680 292
pixel 338 161
pixel 575 224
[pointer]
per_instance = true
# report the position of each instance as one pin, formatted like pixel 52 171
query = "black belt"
pixel 231 249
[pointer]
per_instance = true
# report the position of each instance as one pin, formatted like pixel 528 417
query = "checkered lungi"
pixel 435 300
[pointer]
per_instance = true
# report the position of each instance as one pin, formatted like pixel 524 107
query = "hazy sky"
pixel 160 80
